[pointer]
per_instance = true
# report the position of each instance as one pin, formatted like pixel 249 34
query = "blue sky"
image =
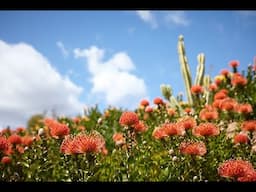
pixel 69 60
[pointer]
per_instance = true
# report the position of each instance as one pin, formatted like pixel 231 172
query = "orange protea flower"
pixel 67 146
pixel 206 129
pixel 159 133
pixel 249 125
pixel 197 89
pixel 172 129
pixel 235 168
pixel 158 101
pixel 216 103
pixel 20 129
pixel 57 129
pixel 171 112
pixel 241 138
pixel 224 72
pixel 76 119
pixel 148 109
pixel 208 113
pixel 234 63
pixel 244 108
pixel 144 102
pixel 186 122
pixel 93 143
pixel 228 104
pixel 6 160
pixel 4 144
pixel 213 87
pixel 140 127
pixel 190 148
pixel 220 95
pixel 188 110
pixel 118 138
pixel 128 119
pixel 249 177
pixel 15 139
pixel 238 79
pixel 20 149
pixel 27 140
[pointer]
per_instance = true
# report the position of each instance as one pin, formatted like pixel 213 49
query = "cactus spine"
pixel 185 68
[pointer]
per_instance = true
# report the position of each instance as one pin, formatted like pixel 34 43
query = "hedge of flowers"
pixel 155 142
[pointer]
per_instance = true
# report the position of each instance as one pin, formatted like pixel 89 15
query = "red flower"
pixel 67 146
pixel 148 109
pixel 208 113
pixel 27 140
pixel 6 160
pixel 249 125
pixel 140 127
pixel 128 119
pixel 76 119
pixel 20 129
pixel 14 139
pixel 234 63
pixel 213 87
pixel 159 133
pixel 57 129
pixel 228 104
pixel 144 102
pixel 206 129
pixel 118 138
pixel 249 177
pixel 224 72
pixel 171 112
pixel 244 108
pixel 190 148
pixel 158 101
pixel 4 144
pixel 216 103
pixel 186 122
pixel 197 89
pixel 241 138
pixel 188 110
pixel 220 95
pixel 235 168
pixel 172 129
pixel 238 79
pixel 20 149
pixel 82 143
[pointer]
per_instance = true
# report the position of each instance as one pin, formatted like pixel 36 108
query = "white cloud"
pixel 177 18
pixel 148 17
pixel 29 85
pixel 63 50
pixel 112 80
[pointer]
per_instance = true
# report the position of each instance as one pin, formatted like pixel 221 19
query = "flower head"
pixel 244 108
pixel 144 102
pixel 249 125
pixel 241 138
pixel 140 127
pixel 197 89
pixel 158 101
pixel 6 160
pixel 206 129
pixel 238 79
pixel 234 63
pixel 224 72
pixel 148 109
pixel 128 118
pixel 193 148
pixel 4 144
pixel 235 168
pixel 186 122
pixel 118 138
pixel 208 113
pixel 57 129
pixel 15 139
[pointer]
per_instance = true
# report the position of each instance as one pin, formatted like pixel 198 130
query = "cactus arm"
pixel 185 68
pixel 200 69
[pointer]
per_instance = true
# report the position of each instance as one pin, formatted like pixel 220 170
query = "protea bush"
pixel 212 137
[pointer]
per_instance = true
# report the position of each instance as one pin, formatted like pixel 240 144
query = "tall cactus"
pixel 185 68
pixel 200 70
pixel 206 84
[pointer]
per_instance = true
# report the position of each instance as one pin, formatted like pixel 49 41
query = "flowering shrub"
pixel 211 139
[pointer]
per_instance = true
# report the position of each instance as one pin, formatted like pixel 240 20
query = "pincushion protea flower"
pixel 118 138
pixel 209 113
pixel 15 139
pixel 148 109
pixel 128 118
pixel 186 122
pixel 57 129
pixel 206 129
pixel 83 143
pixel 4 144
pixel 197 89
pixel 235 168
pixel 144 102
pixel 238 79
pixel 234 63
pixel 6 160
pixel 140 127
pixel 249 125
pixel 241 138
pixel 244 108
pixel 193 148
pixel 158 101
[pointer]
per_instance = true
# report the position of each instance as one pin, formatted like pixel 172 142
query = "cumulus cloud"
pixel 29 85
pixel 63 50
pixel 148 17
pixel 177 18
pixel 113 80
